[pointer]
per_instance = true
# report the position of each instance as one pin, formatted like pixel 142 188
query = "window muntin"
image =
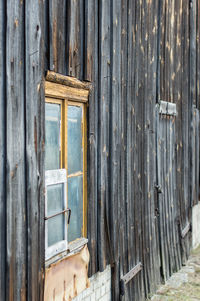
pixel 69 127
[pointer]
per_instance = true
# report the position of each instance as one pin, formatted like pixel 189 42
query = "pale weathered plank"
pixel 15 154
pixel 60 91
pixel 67 81
pixel 2 150
pixel 34 114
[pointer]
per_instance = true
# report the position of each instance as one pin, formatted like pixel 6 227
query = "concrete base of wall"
pixel 100 287
pixel 196 226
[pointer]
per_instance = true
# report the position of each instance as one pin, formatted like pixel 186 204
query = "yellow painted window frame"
pixel 70 92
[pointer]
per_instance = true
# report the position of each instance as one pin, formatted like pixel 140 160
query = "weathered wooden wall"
pixel 134 53
pixel 21 150
pixel 168 207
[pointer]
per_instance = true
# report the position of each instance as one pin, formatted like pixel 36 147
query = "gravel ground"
pixel 183 285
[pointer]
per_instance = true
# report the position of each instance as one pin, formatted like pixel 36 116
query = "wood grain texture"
pixel 16 222
pixel 67 81
pixel 2 149
pixel 168 202
pixel 57 24
pixel 75 38
pixel 34 131
pixel 60 91
pixel 104 133
pixel 135 54
pixel 91 73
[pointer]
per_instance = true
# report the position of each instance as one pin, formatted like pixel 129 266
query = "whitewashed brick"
pixel 104 278
pixel 96 284
pixel 100 287
pixel 109 274
pixel 108 286
pixel 103 290
pixel 97 294
pixel 102 298
pixel 92 297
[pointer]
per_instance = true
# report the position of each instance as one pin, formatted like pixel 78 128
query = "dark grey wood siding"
pixel 2 150
pixel 134 53
pixel 168 205
pixel 21 150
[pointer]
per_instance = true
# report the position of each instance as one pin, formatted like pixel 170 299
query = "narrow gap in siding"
pixel 47 46
pixel 190 101
pixel 193 80
pixel 84 42
pixel 110 143
pixel 158 96
pixel 25 157
pixel 4 23
pixel 99 139
pixel 66 38
pixel 190 97
pixel 96 85
pixel 158 52
pixel 110 204
pixel 67 35
pixel 126 130
pixel 197 71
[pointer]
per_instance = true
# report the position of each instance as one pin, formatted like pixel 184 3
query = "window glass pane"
pixel 55 229
pixel 55 199
pixel 74 139
pixel 75 202
pixel 52 136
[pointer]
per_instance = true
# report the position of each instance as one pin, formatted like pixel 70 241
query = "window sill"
pixel 73 248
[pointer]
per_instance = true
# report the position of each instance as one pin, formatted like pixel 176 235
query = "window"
pixel 65 165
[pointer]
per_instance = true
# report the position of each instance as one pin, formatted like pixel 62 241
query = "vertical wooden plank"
pixel 192 97
pixel 194 153
pixel 197 54
pixel 57 35
pixel 197 157
pixel 131 219
pixel 193 157
pixel 192 50
pixel 186 111
pixel 2 148
pixel 115 129
pixel 151 245
pixel 123 234
pixel 168 202
pixel 15 153
pixel 34 110
pixel 75 38
pixel 104 97
pixel 91 74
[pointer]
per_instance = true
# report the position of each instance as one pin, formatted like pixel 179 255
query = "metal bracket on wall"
pixel 158 188
pixel 186 230
pixel 126 278
pixel 167 108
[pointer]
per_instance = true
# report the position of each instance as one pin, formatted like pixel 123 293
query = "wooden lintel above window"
pixel 66 87
pixel 65 92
